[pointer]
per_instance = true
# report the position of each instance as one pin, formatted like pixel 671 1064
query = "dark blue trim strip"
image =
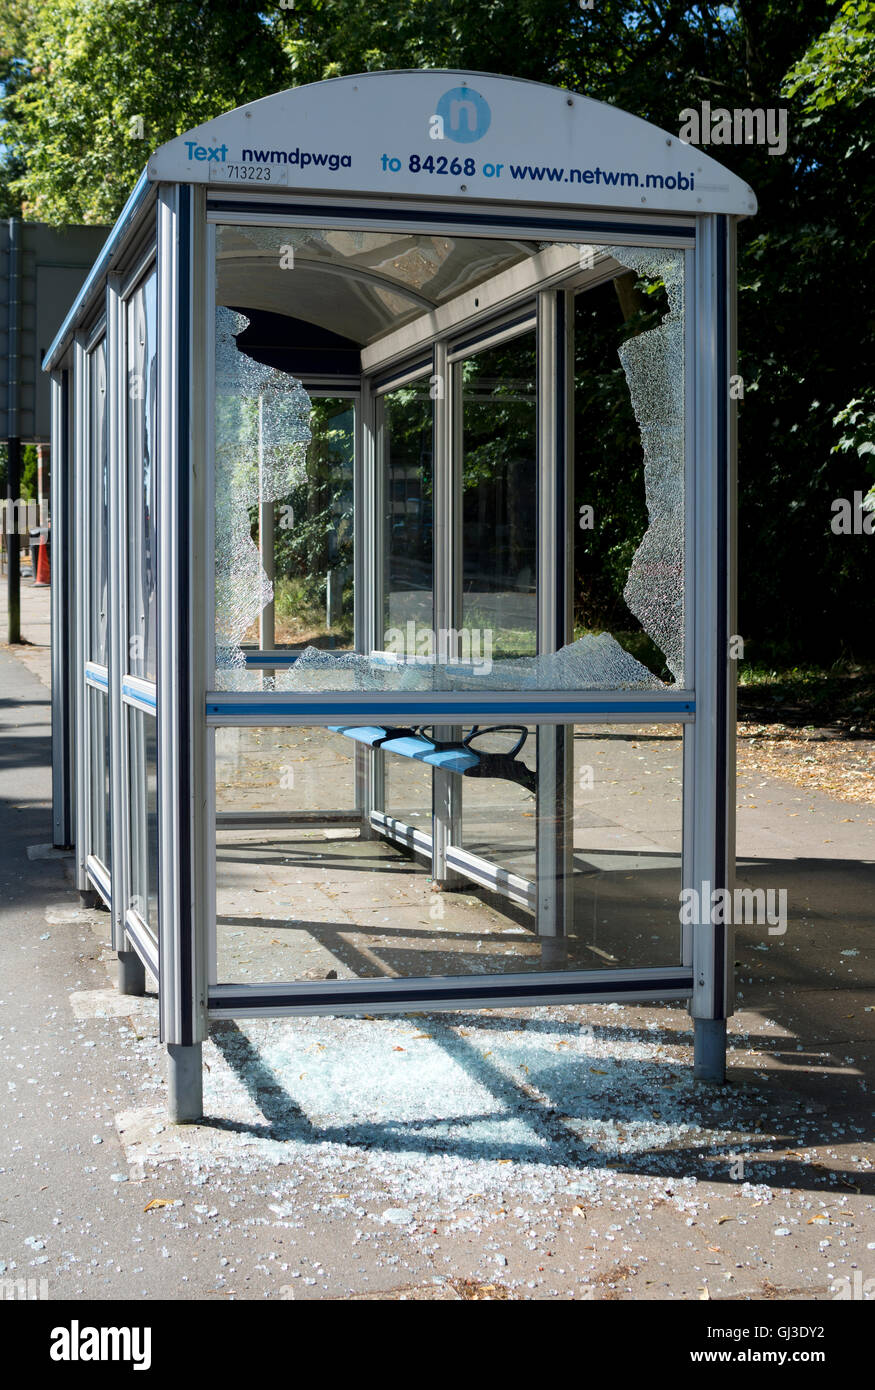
pixel 486 331
pixel 462 712
pixel 270 658
pixel 415 217
pixel 449 992
pixel 399 373
pixel 561 520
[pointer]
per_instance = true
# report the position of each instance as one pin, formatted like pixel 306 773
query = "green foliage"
pixel 92 70
pixel 838 69
pixel 320 536
pixel 75 73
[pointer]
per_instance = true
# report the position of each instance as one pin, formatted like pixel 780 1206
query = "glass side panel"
pixel 499 500
pixel 142 368
pixel 98 776
pixel 315 900
pixel 143 814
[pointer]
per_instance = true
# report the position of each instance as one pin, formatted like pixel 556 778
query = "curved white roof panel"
pixel 452 135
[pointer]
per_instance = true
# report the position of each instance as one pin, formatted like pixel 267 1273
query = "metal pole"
pixel 713 801
pixel 447 529
pixel 555 745
pixel 13 443
pixel 63 778
pixel 13 569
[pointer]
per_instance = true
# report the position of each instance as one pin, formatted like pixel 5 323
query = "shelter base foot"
pixel 554 951
pixel 709 1050
pixel 185 1085
pixel 131 974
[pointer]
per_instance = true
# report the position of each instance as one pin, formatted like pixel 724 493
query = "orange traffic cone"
pixel 43 577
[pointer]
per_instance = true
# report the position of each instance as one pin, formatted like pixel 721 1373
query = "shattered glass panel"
pixel 653 362
pixel 262 433
pixel 594 662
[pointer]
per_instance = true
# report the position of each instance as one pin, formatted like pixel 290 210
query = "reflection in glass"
pixel 313 542
pixel 408 495
pixel 99 780
pixel 143 822
pixel 141 370
pixel 499 498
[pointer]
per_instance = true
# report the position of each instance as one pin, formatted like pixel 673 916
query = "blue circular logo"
pixel 465 114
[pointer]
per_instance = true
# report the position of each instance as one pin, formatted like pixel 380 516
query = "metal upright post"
pixel 184 644
pixel 367 588
pixel 447 488
pixel 713 734
pixel 13 443
pixel 62 678
pixel 555 744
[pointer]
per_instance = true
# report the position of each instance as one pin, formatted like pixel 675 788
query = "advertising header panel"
pixel 458 135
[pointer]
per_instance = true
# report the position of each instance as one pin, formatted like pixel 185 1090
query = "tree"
pixel 78 73
pixel 94 85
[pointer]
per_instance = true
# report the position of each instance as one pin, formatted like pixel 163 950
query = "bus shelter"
pixel 393 592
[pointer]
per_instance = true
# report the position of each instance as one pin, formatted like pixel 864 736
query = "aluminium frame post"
pixel 79 613
pixel 555 743
pixel 446 795
pixel 183 644
pixel 713 734
pixel 367 586
pixel 63 760
pixel 130 971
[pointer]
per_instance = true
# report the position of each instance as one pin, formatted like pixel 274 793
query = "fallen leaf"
pixel 158 1202
pixel 721 1219
pixel 704 1295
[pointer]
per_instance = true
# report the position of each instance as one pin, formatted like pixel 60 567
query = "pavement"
pixel 559 1153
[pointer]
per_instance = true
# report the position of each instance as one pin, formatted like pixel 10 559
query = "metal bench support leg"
pixel 554 843
pixel 446 818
